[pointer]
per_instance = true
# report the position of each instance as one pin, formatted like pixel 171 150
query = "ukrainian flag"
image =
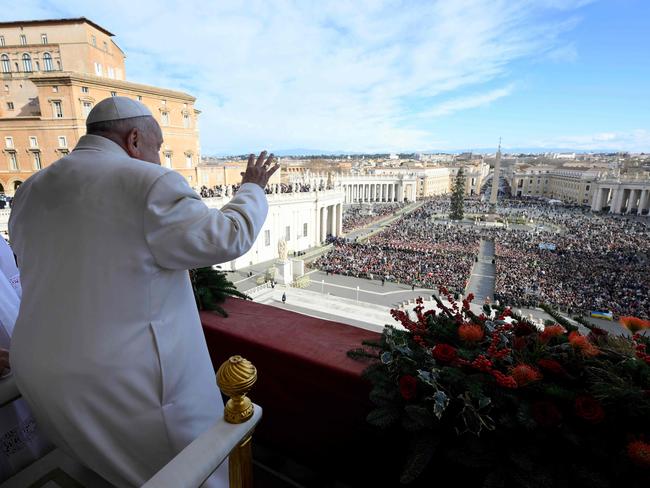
pixel 602 315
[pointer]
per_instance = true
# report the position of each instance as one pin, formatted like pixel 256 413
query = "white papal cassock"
pixel 108 348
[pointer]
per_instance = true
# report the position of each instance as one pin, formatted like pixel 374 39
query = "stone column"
pixel 596 200
pixel 631 203
pixel 339 219
pixel 616 192
pixel 323 224
pixel 643 201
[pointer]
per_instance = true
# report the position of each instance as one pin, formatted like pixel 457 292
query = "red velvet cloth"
pixel 314 399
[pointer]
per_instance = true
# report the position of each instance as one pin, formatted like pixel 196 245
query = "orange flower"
pixel 551 331
pixel 639 453
pixel 525 374
pixel 582 344
pixel 471 333
pixel 634 324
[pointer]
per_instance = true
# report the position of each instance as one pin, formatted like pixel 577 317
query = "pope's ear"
pixel 132 141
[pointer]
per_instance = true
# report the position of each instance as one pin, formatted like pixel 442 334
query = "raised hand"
pixel 260 171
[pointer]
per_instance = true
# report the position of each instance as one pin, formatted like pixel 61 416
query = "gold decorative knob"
pixel 235 378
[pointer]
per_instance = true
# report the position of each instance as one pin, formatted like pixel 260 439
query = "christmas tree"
pixel 458 196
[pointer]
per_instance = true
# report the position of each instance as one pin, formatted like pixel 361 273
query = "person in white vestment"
pixel 108 348
pixel 21 443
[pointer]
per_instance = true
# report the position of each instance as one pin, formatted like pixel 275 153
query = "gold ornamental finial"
pixel 235 378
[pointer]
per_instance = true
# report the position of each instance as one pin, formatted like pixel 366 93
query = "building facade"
pixel 212 172
pixel 617 195
pixel 302 219
pixel 53 73
pixel 568 185
pixel 475 177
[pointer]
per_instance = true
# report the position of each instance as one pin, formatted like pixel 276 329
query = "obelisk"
pixel 495 181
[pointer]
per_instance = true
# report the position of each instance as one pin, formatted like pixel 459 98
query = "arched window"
pixel 47 61
pixel 6 65
pixel 27 63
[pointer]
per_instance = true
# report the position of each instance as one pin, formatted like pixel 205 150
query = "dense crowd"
pixel 359 216
pixel 569 257
pixel 229 190
pixel 411 250
pixel 598 262
pixel 218 191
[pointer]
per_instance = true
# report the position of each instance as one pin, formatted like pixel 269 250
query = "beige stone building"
pixel 53 73
pixel 570 185
pixel 475 174
pixel 215 172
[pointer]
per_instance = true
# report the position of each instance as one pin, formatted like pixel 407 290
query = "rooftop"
pixel 75 20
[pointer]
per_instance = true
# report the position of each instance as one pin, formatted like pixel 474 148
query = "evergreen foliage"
pixel 211 288
pixel 458 196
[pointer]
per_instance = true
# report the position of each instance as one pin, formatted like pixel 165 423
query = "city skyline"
pixel 391 77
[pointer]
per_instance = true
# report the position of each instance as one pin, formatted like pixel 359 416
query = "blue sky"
pixel 392 75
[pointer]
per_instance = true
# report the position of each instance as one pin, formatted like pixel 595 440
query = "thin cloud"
pixel 330 75
pixel 463 103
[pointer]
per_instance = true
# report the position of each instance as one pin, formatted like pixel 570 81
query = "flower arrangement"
pixel 492 400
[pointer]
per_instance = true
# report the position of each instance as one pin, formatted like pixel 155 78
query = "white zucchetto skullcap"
pixel 117 108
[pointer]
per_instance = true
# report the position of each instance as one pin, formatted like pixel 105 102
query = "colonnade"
pixel 622 199
pixel 330 221
pixel 373 192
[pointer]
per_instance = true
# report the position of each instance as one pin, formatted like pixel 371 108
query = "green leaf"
pixel 386 357
pixel 422 450
pixel 383 417
pixel 440 402
pixel 420 415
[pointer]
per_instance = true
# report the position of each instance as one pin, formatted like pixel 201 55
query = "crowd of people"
pixel 359 216
pixel 580 261
pixel 218 191
pixel 229 190
pixel 411 250
pixel 564 256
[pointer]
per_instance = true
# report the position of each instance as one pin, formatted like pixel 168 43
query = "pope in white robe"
pixel 108 348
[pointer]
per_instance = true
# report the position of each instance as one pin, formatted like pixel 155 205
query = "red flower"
pixel 525 374
pixel 589 409
pixel 503 380
pixel 444 353
pixel 546 414
pixel 470 297
pixel 639 453
pixel 471 333
pixel 581 343
pixel 408 386
pixel 551 365
pixel 551 331
pixel 523 329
